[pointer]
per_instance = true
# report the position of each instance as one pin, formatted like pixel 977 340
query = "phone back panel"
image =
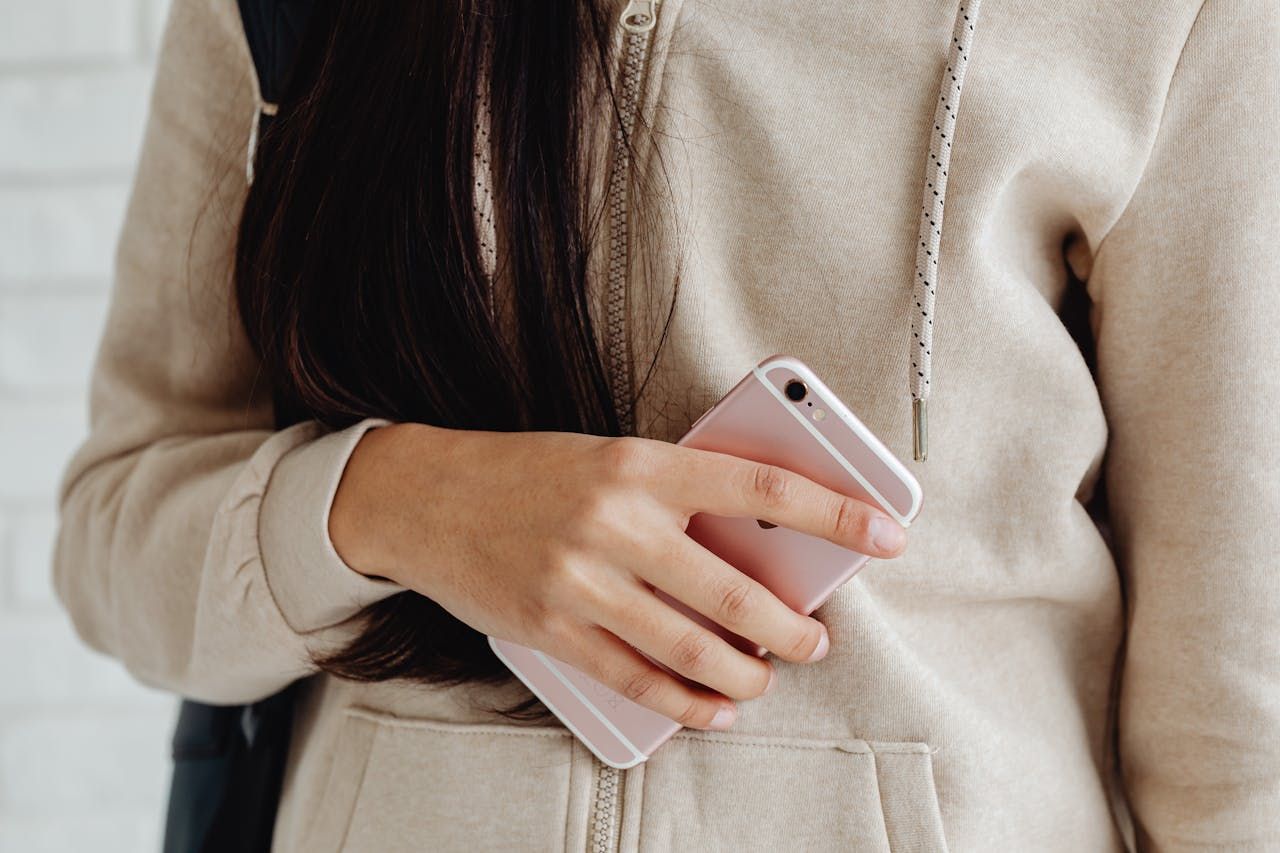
pixel 817 437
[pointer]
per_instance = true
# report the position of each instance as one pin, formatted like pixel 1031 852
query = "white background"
pixel 83 750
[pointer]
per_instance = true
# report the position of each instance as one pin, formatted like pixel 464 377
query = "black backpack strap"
pixel 203 746
pixel 228 768
pixel 274 29
pixel 229 761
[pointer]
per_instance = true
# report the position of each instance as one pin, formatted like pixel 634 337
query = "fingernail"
pixel 887 534
pixel 773 679
pixel 823 645
pixel 723 718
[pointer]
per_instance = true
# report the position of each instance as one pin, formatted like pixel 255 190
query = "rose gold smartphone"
pixel 782 414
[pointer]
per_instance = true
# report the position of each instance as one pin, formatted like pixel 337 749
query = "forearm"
pixel 189 560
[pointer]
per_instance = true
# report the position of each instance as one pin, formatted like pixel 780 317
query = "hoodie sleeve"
pixel 1186 288
pixel 193 541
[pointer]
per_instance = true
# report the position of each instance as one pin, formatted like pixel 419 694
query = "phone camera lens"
pixel 796 391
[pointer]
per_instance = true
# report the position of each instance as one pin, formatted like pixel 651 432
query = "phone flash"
pixel 819 414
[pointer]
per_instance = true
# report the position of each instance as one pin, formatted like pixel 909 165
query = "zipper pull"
pixel 640 16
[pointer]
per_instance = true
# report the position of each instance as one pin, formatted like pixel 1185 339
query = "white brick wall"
pixel 83 748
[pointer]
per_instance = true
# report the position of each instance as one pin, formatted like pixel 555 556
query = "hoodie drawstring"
pixel 482 177
pixel 931 212
pixel 260 108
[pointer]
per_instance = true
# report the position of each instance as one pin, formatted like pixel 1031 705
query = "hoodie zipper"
pixel 607 804
pixel 637 23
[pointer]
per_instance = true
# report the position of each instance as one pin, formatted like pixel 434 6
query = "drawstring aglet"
pixel 919 431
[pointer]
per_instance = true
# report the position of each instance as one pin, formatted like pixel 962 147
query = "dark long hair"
pixel 358 270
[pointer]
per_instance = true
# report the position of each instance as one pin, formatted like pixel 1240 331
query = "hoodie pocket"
pixel 711 791
pixel 409 784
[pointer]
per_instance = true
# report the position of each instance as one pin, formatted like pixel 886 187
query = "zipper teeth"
pixel 635 54
pixel 635 51
pixel 604 829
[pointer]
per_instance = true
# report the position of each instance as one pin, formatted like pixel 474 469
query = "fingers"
pixel 693 575
pixel 612 662
pixel 721 484
pixel 675 640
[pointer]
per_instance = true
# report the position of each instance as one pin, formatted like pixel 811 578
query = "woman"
pixel 354 415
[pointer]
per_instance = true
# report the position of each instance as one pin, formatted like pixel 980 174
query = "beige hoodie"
pixel 984 690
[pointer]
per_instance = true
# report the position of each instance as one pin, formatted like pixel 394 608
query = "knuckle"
pixel 536 618
pixel 765 682
pixel 627 459
pixel 567 576
pixel 691 652
pixel 770 485
pixel 641 686
pixel 693 715
pixel 593 519
pixel 850 521
pixel 554 626
pixel 804 643
pixel 737 600
pixel 573 585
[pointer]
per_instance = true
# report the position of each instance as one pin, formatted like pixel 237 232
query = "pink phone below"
pixel 764 418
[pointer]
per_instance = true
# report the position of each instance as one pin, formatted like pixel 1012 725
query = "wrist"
pixel 358 514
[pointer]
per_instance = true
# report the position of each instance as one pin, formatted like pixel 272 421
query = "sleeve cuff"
pixel 312 586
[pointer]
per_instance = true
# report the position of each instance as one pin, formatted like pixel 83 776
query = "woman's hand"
pixel 557 540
